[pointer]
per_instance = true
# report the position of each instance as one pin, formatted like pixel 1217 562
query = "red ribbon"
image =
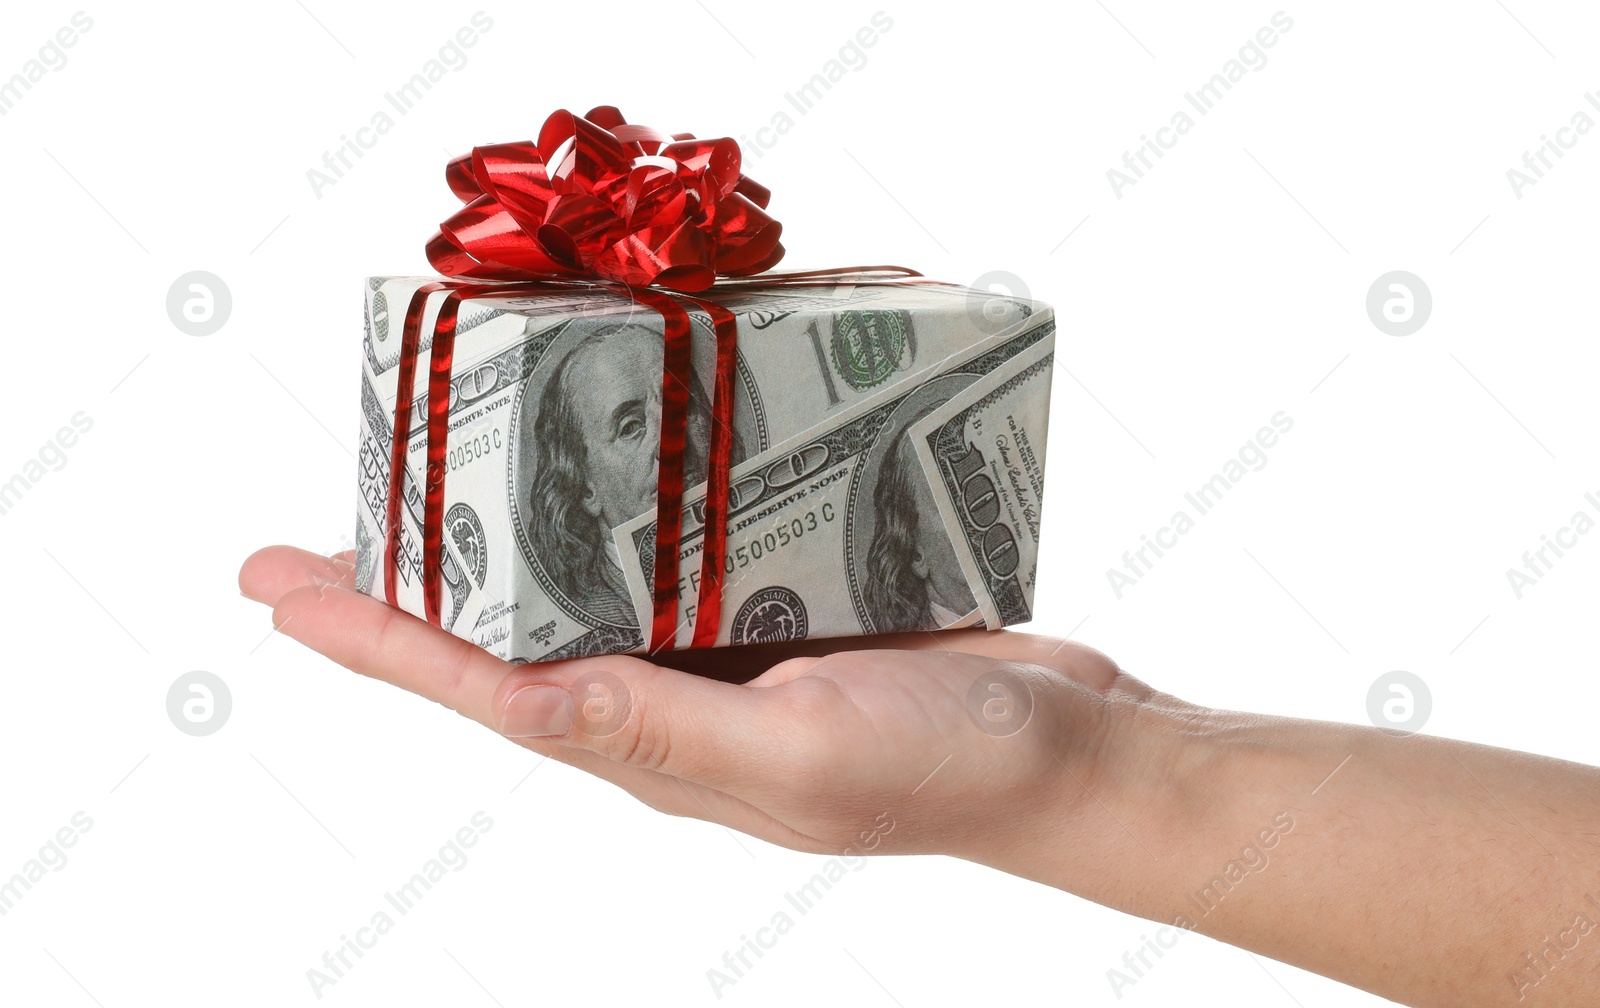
pixel 599 199
pixel 599 202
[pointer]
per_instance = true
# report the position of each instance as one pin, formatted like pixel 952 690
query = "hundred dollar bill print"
pixel 584 433
pixel 901 560
pixel 839 531
pixel 982 453
pixel 841 522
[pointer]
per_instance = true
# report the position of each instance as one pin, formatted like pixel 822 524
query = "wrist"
pixel 1144 791
pixel 1122 769
pixel 1201 794
pixel 1159 779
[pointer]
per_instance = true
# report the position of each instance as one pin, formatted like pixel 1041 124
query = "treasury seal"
pixel 868 347
pixel 771 614
pixel 466 531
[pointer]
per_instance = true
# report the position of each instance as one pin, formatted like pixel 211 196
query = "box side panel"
pixel 839 530
pixel 550 478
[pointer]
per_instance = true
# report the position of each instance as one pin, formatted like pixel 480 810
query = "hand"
pixel 954 742
pixel 1072 773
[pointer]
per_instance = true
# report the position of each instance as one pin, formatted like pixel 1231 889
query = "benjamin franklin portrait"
pixel 591 448
pixel 913 580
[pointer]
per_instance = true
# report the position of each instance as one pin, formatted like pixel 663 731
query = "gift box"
pixel 553 466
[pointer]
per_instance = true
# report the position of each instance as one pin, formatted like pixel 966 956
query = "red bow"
pixel 598 198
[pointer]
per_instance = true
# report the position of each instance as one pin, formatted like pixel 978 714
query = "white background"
pixel 1226 285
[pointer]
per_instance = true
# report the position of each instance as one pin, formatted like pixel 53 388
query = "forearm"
pixel 1429 871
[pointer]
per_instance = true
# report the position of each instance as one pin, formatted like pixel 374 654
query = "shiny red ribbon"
pixel 597 198
pixel 599 202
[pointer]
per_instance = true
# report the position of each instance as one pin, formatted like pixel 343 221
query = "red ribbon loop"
pixel 599 199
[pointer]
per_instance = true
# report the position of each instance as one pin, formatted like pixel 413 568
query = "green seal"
pixel 868 347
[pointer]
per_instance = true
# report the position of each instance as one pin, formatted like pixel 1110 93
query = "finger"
pixel 342 626
pixel 641 715
pixel 348 627
pixel 368 636
pixel 270 574
pixel 624 709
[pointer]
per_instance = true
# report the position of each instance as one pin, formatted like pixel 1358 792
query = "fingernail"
pixel 535 711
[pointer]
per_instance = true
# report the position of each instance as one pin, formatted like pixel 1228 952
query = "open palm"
pixel 921 741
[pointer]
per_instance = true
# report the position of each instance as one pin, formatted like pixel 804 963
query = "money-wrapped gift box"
pixel 887 450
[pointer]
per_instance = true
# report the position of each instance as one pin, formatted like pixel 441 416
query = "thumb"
pixel 642 715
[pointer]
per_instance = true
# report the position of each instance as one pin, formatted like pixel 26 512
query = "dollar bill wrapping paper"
pixel 888 449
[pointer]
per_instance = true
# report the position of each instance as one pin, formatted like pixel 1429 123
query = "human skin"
pixel 1431 872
